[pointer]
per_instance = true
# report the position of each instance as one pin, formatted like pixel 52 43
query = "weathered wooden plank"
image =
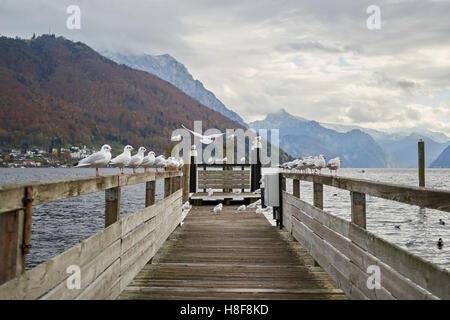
pixel 337 224
pixel 427 275
pixel 11 240
pixel 424 197
pixel 39 280
pixel 101 287
pixel 399 286
pixel 89 272
pixel 11 195
pixel 233 254
pixel 395 259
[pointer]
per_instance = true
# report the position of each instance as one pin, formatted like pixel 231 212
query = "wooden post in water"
pixel 12 259
pixel 358 208
pixel 112 206
pixel 421 147
pixel 296 188
pixel 150 187
pixel 318 195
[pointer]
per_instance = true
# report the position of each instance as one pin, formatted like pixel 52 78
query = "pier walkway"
pixel 165 252
pixel 231 255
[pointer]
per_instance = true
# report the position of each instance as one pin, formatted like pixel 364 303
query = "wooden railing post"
pixel 296 188
pixel 358 208
pixel 12 259
pixel 167 187
pixel 318 195
pixel 150 187
pixel 112 205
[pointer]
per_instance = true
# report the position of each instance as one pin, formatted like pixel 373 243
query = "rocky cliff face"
pixel 167 68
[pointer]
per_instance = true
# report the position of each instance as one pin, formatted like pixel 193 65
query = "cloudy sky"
pixel 317 59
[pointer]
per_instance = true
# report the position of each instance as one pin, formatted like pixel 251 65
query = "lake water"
pixel 57 226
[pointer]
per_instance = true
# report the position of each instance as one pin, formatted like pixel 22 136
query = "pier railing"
pixel 349 253
pixel 107 261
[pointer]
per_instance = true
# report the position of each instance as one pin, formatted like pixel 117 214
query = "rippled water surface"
pixel 57 226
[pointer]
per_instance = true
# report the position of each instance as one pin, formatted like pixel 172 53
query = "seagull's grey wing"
pixel 92 159
pixel 121 158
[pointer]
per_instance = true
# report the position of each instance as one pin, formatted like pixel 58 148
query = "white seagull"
pixel 334 164
pixel 123 159
pixel 148 161
pixel 205 139
pixel 160 162
pixel 96 160
pixel 241 208
pixel 218 208
pixel 187 206
pixel 137 159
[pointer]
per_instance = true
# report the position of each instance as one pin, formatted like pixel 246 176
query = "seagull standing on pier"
pixel 137 159
pixel 319 163
pixel 123 159
pixel 96 160
pixel 218 208
pixel 148 161
pixel 160 162
pixel 334 164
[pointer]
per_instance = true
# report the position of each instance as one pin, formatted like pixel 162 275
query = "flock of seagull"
pixel 103 157
pixel 313 164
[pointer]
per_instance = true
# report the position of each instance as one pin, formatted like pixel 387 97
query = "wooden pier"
pixel 231 255
pixel 163 252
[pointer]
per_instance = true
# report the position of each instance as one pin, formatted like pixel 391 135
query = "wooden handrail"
pixel 423 197
pixel 12 195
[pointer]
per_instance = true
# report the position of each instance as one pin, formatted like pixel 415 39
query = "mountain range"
pixel 300 137
pixel 402 145
pixel 169 69
pixel 443 160
pixel 51 87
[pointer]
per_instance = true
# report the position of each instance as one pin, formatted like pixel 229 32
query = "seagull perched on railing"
pixel 123 159
pixel 96 160
pixel 148 161
pixel 319 163
pixel 160 162
pixel 205 139
pixel 334 164
pixel 137 159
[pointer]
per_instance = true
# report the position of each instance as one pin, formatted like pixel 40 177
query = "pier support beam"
pixel 358 208
pixel 150 187
pixel 318 195
pixel 112 206
pixel 12 259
